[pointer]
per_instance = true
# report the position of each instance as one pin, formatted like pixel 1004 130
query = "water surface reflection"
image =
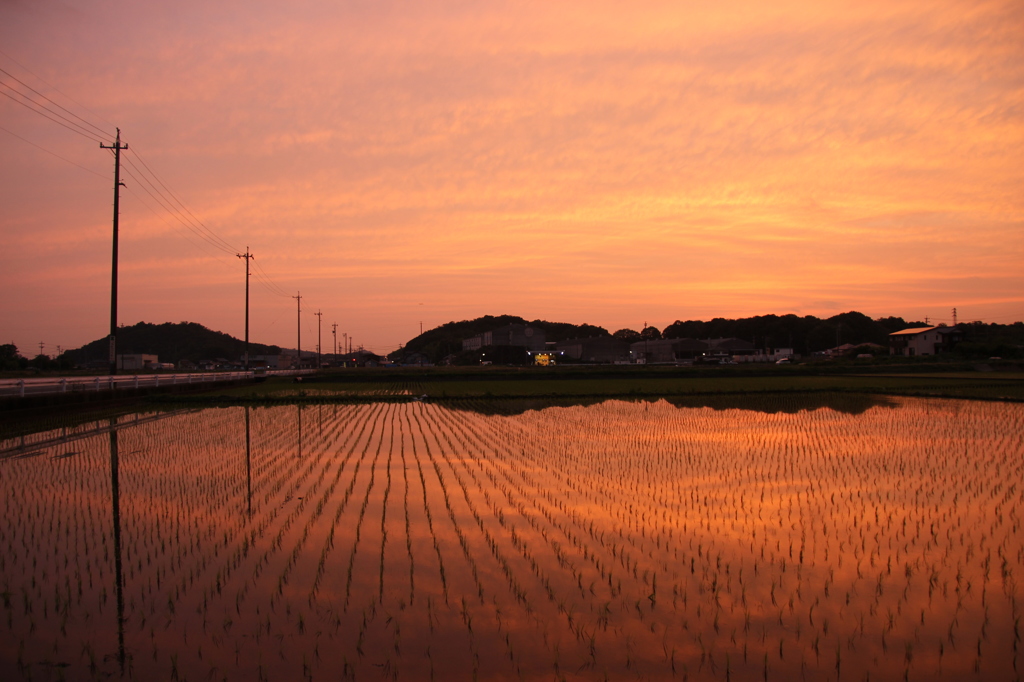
pixel 620 539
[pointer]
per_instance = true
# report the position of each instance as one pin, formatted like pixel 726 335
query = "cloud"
pixel 740 158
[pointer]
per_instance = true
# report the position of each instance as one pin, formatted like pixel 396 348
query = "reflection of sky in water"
pixel 621 538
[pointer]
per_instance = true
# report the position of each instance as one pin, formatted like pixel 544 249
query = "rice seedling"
pixel 415 541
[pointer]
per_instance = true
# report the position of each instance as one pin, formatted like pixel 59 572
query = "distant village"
pixel 530 342
pixel 511 340
pixel 683 351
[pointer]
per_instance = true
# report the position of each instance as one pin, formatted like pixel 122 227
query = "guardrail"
pixel 51 385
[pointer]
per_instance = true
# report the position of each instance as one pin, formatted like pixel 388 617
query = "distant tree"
pixel 562 331
pixel 10 359
pixel 627 335
pixel 650 333
pixel 802 334
pixel 446 340
pixel 851 327
pixel 172 343
pixel 42 362
pixel 892 324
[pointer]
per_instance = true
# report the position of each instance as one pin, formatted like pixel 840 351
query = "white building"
pixel 923 340
pixel 136 362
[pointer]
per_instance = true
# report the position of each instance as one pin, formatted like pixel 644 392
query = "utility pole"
pixel 319 319
pixel 117 147
pixel 335 326
pixel 421 327
pixel 41 347
pixel 298 349
pixel 344 342
pixel 247 256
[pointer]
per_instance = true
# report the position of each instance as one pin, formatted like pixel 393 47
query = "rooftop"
pixel 911 332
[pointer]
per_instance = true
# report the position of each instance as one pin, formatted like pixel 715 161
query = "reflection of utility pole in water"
pixel 300 429
pixel 248 463
pixel 115 504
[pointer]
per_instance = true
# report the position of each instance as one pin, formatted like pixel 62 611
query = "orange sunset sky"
pixel 608 163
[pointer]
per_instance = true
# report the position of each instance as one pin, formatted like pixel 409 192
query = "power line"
pixel 213 235
pixel 270 283
pixel 142 182
pixel 78 130
pixel 182 233
pixel 146 179
pixel 57 90
pixel 26 141
pixel 101 131
pixel 151 183
pixel 168 205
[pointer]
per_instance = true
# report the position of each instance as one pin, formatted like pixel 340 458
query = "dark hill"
pixel 445 340
pixel 803 334
pixel 171 343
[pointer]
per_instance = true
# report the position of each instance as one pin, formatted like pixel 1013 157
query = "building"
pixel 733 350
pixel 776 354
pixel 924 340
pixel 732 347
pixel 546 357
pixel 134 363
pixel 271 361
pixel 361 358
pixel 595 349
pixel 530 338
pixel 667 350
pixel 416 359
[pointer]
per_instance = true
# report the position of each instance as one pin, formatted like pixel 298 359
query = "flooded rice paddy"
pixel 620 540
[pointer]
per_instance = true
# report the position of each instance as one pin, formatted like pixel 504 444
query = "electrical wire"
pixel 87 170
pixel 140 177
pixel 144 177
pixel 161 193
pixel 212 235
pixel 184 235
pixel 271 285
pixel 101 131
pixel 57 90
pixel 75 128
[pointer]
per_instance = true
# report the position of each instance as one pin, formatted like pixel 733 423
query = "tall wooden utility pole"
pixel 335 326
pixel 117 147
pixel 319 319
pixel 247 256
pixel 298 348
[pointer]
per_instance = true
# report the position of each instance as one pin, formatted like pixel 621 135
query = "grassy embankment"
pixel 499 383
pixel 501 389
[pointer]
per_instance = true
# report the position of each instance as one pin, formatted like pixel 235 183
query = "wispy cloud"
pixel 659 160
